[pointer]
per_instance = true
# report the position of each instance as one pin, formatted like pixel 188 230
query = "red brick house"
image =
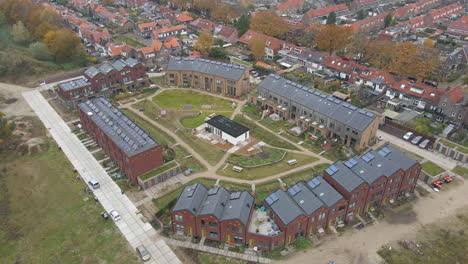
pixel 145 29
pixel 272 45
pixel 443 12
pixel 185 210
pixel 105 80
pixel 129 146
pixel 226 33
pixel 322 13
pixel 459 27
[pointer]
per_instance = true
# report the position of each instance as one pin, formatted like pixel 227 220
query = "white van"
pixel 94 184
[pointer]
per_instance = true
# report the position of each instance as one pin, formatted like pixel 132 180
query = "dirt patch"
pixel 401 217
pixel 66 114
pixel 10 101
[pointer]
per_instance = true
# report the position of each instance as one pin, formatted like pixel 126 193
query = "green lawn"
pixel 460 171
pixel 266 156
pixel 46 219
pixel 158 80
pixel 176 99
pixel 251 111
pixel 241 62
pixel 447 143
pixel 265 171
pixel 129 41
pixel 181 154
pixel 194 122
pixel 432 168
pixel 264 135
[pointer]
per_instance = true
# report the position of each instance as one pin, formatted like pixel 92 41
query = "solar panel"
pixel 235 195
pixel 352 107
pixel 330 99
pixel 384 152
pixel 336 101
pixel 370 114
pixel 292 191
pixel 274 197
pixel 323 96
pixel 362 112
pixel 269 201
pixel 314 183
pixel 316 93
pixel 368 157
pixel 331 170
pixel 297 188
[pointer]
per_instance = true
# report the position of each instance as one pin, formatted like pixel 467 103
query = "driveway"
pixel 437 158
pixel 132 227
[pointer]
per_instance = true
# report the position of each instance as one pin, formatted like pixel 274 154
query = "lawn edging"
pixel 259 165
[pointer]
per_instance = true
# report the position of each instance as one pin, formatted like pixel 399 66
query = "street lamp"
pixel 256 252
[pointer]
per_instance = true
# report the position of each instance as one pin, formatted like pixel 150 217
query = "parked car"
pixel 115 215
pixel 143 253
pixel 94 184
pixel 424 144
pixel 408 135
pixel 416 140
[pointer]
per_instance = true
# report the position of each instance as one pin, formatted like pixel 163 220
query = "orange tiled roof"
pixel 326 10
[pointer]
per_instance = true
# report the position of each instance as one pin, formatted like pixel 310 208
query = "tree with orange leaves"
pixel 269 23
pixel 332 38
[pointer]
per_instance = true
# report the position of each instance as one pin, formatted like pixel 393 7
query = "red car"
pixel 447 179
pixel 437 184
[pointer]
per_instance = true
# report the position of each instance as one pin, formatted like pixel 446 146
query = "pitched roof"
pixel 216 68
pixel 182 17
pixel 224 31
pixel 165 29
pixel 74 84
pixel 288 4
pixel 333 108
pixel 284 206
pixel 324 191
pixel 171 42
pixel 305 198
pixel 326 10
pixel 238 206
pixel 153 24
pixel 191 198
pixel 204 24
pixel 459 27
pixel 344 176
pixel 270 42
pixel 444 11
pixel 396 156
pixel 215 202
pixel 228 126
pixel 369 22
pixel 418 90
pixel 130 138
pixel 456 94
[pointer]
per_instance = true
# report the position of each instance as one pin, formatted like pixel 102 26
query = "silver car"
pixel 424 144
pixel 143 253
pixel 416 140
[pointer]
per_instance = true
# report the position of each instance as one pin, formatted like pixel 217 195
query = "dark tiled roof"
pixel 130 138
pixel 345 177
pixel 283 206
pixel 74 84
pixel 397 157
pixel 216 68
pixel 227 125
pixel 324 191
pixel 239 207
pixel 314 100
pixel 215 202
pixel 305 198
pixel 191 198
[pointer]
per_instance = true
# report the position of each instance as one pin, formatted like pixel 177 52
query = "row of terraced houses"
pixel 345 190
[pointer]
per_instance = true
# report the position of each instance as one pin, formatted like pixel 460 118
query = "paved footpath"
pixel 132 227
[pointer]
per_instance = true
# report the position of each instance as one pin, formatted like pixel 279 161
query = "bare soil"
pixel 14 103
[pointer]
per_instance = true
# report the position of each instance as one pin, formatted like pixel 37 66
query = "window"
pixel 213 235
pixel 179 218
pixel 313 219
pixel 276 244
pixel 260 243
pixel 351 205
pixel 179 227
pixel 213 225
pixel 341 208
pixel 299 226
pixel 322 216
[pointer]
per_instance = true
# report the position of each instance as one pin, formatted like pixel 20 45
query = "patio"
pixel 262 223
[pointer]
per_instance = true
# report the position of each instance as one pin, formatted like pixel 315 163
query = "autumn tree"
pixel 108 2
pixel 357 47
pixel 257 47
pixel 51 17
pixel 220 12
pixel 269 23
pixel 428 43
pixel 331 19
pixel 406 59
pixel 332 38
pixel 20 33
pixel 205 43
pixel 42 30
pixel 380 54
pixel 63 44
pixel 6 129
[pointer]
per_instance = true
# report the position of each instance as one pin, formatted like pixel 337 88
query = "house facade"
pixel 130 147
pixel 211 76
pixel 414 94
pixel 227 129
pixel 452 107
pixel 272 45
pixel 102 81
pixel 316 113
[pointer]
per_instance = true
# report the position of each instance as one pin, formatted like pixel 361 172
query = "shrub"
pixel 238 249
pixel 302 243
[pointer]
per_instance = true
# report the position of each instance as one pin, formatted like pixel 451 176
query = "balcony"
pixel 262 224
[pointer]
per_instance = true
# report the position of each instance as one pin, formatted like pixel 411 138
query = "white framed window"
pixel 179 218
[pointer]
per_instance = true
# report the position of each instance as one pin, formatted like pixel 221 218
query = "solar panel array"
pixel 210 67
pixel 235 195
pixel 368 157
pixel 130 138
pixel 314 183
pixel 331 170
pixel 350 163
pixel 294 190
pixel 272 198
pixel 384 151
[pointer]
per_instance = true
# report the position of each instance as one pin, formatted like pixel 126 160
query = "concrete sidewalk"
pixel 132 227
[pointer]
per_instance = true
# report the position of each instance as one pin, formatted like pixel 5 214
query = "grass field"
pixel 460 171
pixel 129 41
pixel 46 219
pixel 194 122
pixel 265 171
pixel 266 156
pixel 176 99
pixel 432 168
pixel 264 135
pixel 181 154
pixel 158 80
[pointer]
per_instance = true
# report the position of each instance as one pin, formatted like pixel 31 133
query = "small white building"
pixel 227 129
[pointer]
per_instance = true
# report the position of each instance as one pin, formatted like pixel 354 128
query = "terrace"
pixel 262 224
